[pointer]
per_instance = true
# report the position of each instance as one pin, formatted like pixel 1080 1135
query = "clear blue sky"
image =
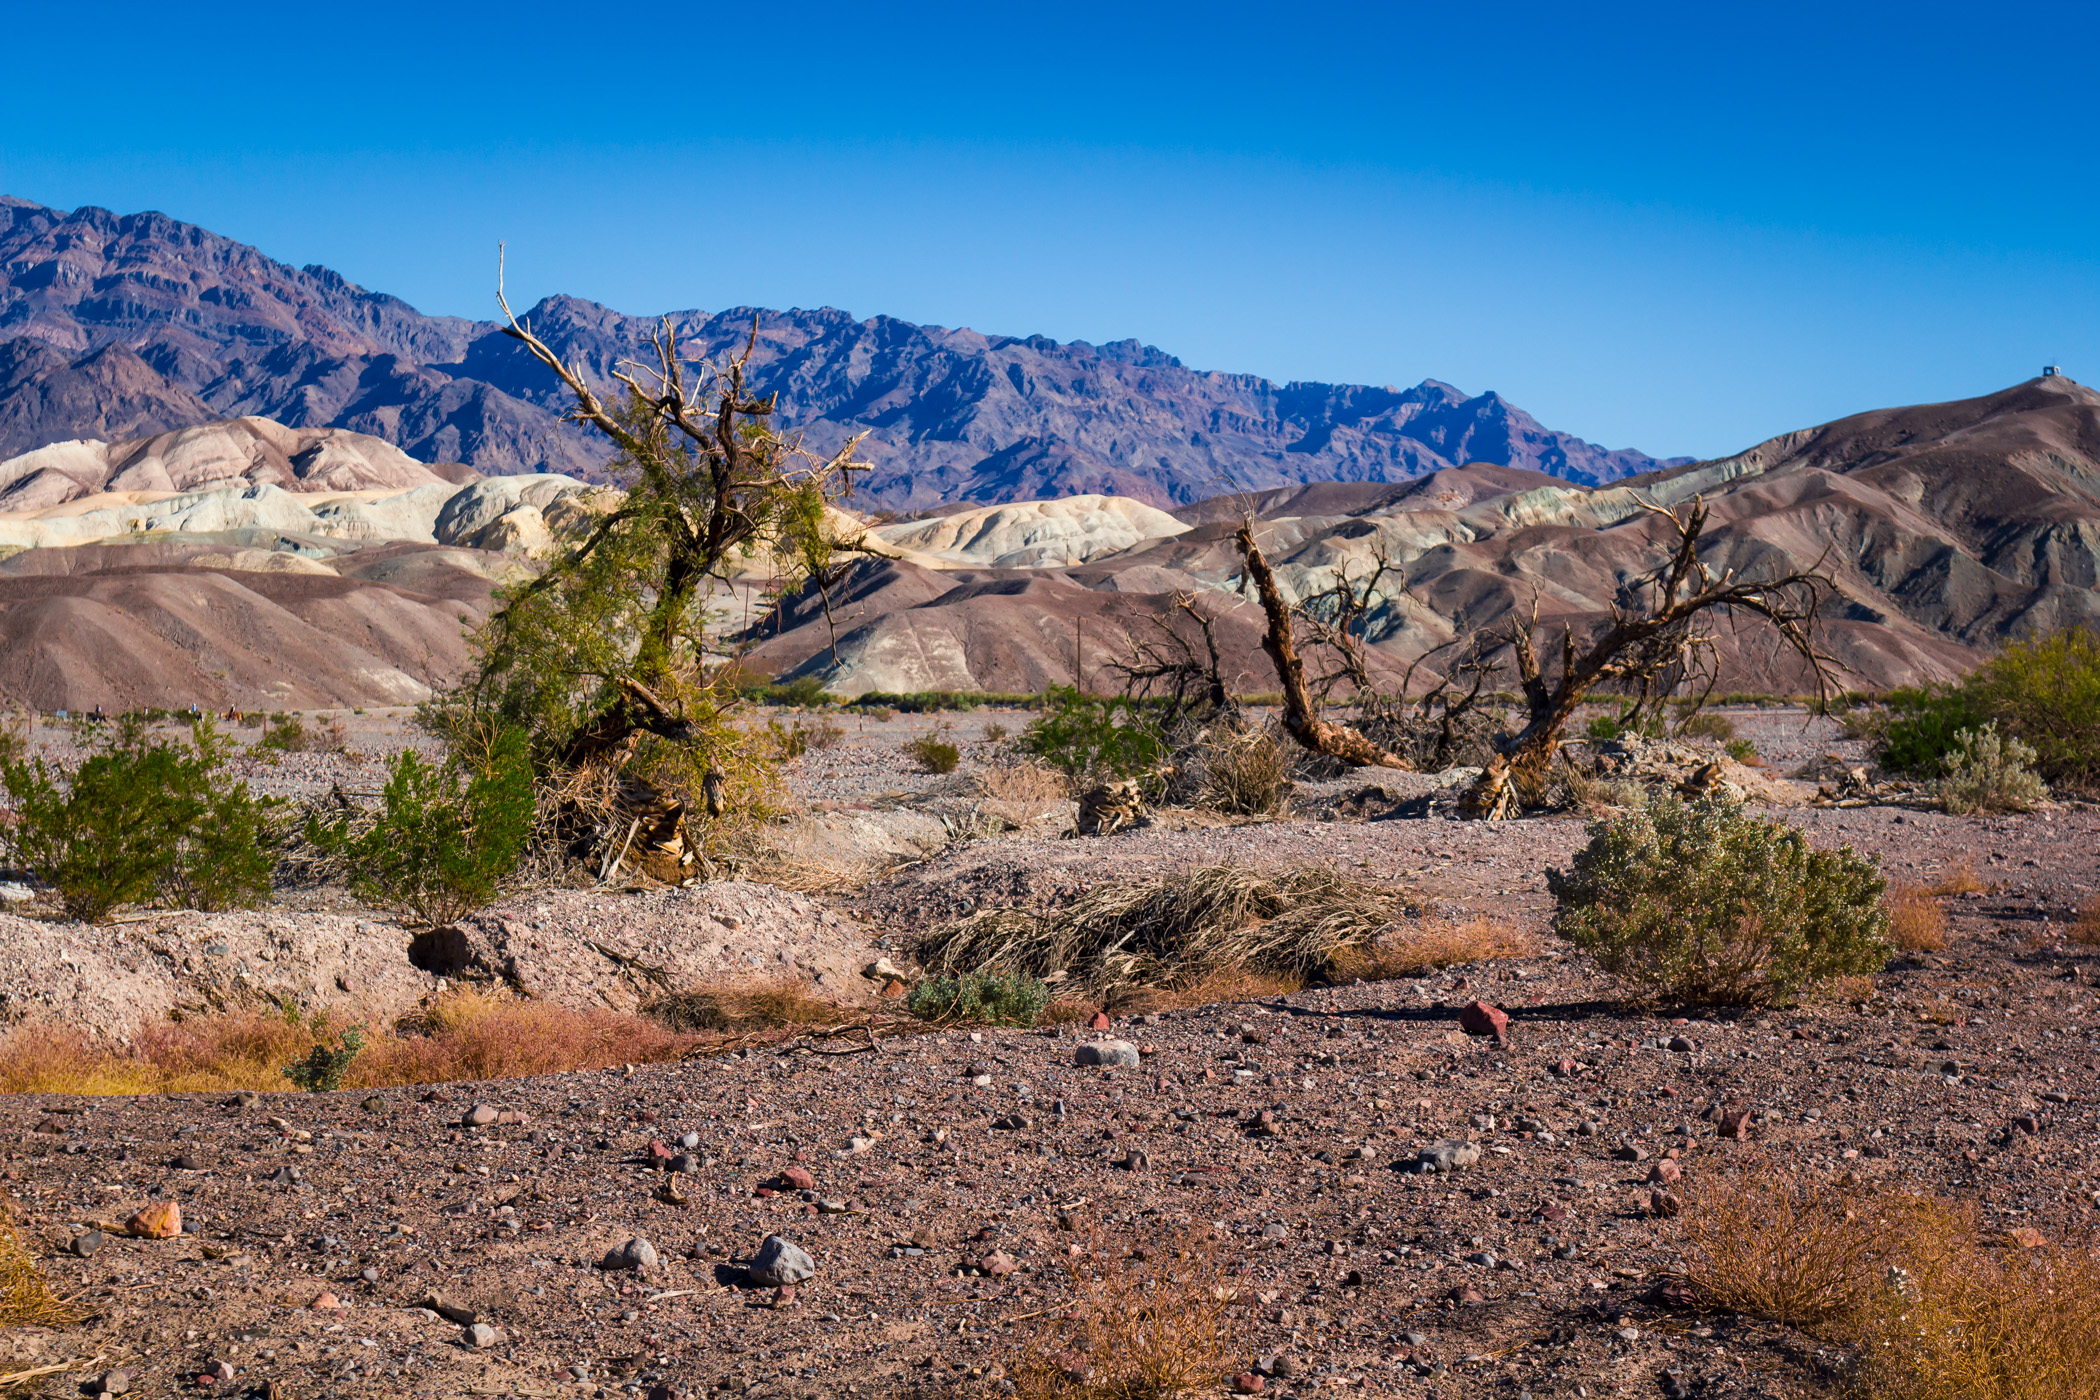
pixel 1680 228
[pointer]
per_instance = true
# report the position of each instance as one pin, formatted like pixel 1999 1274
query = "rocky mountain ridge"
pixel 119 325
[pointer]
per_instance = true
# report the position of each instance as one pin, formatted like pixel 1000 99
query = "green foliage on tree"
pixel 446 833
pixel 1703 903
pixel 141 820
pixel 1096 736
pixel 605 658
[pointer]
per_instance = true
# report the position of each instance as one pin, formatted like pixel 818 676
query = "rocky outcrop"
pixel 1032 534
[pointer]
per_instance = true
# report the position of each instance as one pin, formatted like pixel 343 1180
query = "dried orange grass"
pixel 1916 924
pixel 1958 879
pixel 26 1300
pixel 1934 1306
pixel 1411 950
pixel 1141 1325
pixel 2086 931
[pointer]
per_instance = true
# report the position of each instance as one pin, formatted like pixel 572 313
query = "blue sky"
pixel 1679 228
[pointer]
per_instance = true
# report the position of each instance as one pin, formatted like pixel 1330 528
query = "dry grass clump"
pixel 1022 794
pixel 1958 879
pixel 1916 924
pixel 737 1009
pixel 1246 773
pixel 1934 1307
pixel 465 1035
pixel 2086 931
pixel 26 1300
pixel 1144 1325
pixel 1174 931
pixel 1413 950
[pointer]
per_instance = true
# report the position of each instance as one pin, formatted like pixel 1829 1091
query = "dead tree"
pixel 1301 706
pixel 1164 663
pixel 1658 624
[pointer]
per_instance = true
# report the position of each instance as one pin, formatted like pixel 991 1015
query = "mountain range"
pixel 124 326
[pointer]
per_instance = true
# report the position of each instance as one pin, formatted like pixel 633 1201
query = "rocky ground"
pixel 317 1229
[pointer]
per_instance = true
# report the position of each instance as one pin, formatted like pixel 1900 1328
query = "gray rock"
pixel 689 1141
pixel 86 1244
pixel 1107 1054
pixel 480 1336
pixel 115 1382
pixel 637 1254
pixel 480 1116
pixel 1448 1156
pixel 781 1263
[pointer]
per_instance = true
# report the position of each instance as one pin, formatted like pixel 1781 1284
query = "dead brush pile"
pixel 1932 1305
pixel 1176 931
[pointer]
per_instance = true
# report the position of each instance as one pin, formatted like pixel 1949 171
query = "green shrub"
pixel 1986 772
pixel 1917 732
pixel 1605 728
pixel 999 999
pixel 933 751
pixel 1093 736
pixel 287 735
pixel 805 691
pixel 1706 724
pixel 322 1071
pixel 141 821
pixel 1741 750
pixel 2045 692
pixel 445 836
pixel 1705 904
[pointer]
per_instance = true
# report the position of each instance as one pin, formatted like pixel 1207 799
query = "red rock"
pixel 1098 1021
pixel 1665 1171
pixel 1479 1018
pixel 2026 1237
pixel 1735 1124
pixel 1247 1383
pixel 797 1179
pixel 327 1302
pixel 998 1263
pixel 160 1221
pixel 659 1155
pixel 1566 1069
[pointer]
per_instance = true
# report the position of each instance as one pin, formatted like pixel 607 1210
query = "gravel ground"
pixel 1971 1073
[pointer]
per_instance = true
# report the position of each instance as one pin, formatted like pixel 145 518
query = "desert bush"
pixel 1916 731
pixel 933 752
pixel 794 741
pixel 1175 931
pixel 2045 692
pixel 1139 1324
pixel 1916 924
pixel 995 732
pixel 1245 772
pixel 1786 1248
pixel 140 821
pixel 1988 772
pixel 1627 723
pixel 1706 904
pixel 1958 879
pixel 286 734
pixel 999 999
pixel 1741 750
pixel 322 1071
pixel 1094 736
pixel 446 833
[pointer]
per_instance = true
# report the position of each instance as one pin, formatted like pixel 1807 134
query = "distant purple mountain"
pixel 952 415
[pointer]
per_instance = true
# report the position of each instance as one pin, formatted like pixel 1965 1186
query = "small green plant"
pixel 1703 903
pixel 1741 750
pixel 1095 736
pixel 995 732
pixel 322 1071
pixel 933 752
pixel 1987 772
pixel 999 999
pixel 1625 724
pixel 141 820
pixel 287 735
pixel 446 834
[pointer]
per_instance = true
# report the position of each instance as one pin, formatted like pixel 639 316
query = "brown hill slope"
pixel 1946 528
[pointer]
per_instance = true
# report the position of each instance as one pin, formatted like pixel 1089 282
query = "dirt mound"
pixel 577 948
